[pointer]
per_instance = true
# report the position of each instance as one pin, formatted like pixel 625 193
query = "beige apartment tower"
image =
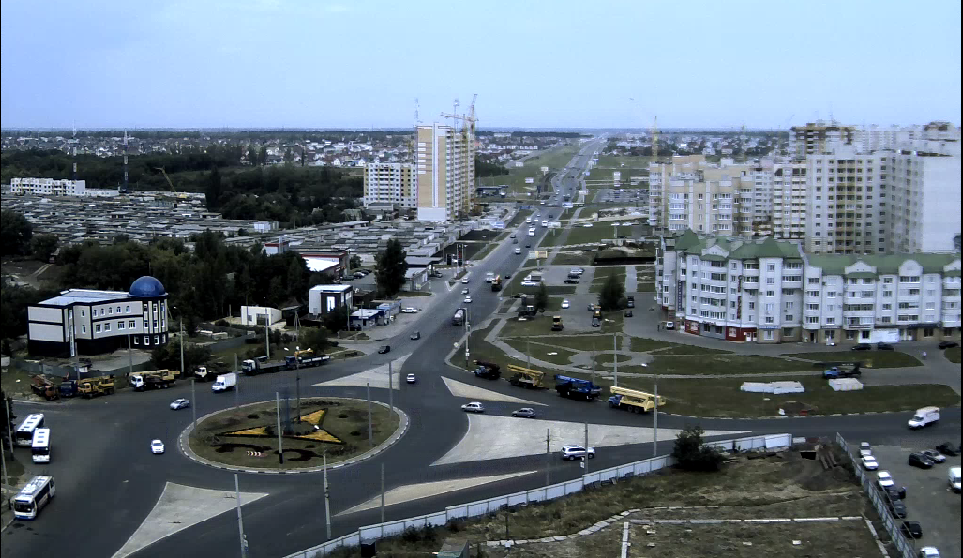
pixel 445 159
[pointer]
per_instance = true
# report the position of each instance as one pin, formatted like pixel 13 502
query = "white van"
pixel 924 416
pixel 954 477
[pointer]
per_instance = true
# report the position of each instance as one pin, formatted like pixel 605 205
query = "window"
pixel 770 319
pixel 887 294
pixel 120 324
pixel 156 340
pixel 813 281
pixel 131 324
pixel 769 307
pixel 887 307
pixel 127 309
pixel 813 320
pixel 106 327
pixel 831 294
pixel 147 340
pixel 812 293
pixel 752 305
pixel 927 332
pixel 83 329
pixel 770 293
pixel 789 305
pixel 771 267
pixel 770 281
pixel 787 332
pixel 830 321
pixel 909 279
pixel 136 340
pixel 768 335
pixel 110 310
pixel 118 309
pixel 97 328
pixel 788 317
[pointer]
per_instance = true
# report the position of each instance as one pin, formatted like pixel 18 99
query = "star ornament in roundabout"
pixel 267 431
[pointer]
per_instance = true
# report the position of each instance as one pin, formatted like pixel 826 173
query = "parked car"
pixel 565 304
pixel 596 322
pixel 865 449
pixel 929 552
pixel 934 456
pixel 473 407
pixel 628 313
pixel 949 449
pixel 897 507
pixel 884 479
pixel 156 447
pixel 862 347
pixel 416 336
pixel 669 325
pixel 912 529
pixel 518 250
pixel 572 280
pixel 869 463
pixel 467 300
pixel 948 344
pixel 524 412
pixel 409 310
pixel 384 349
pixel 884 347
pixel 895 493
pixel 410 378
pixel 920 460
pixel 180 404
pixel 576 452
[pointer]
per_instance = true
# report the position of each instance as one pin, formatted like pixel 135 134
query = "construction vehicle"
pixel 633 400
pixel 459 318
pixel 497 284
pixel 557 323
pixel 154 379
pixel 293 362
pixel 524 377
pixel 487 370
pixel 576 388
pixel 842 372
pixel 253 367
pixel 43 387
pixel 100 385
pixel 304 353
pixel 68 389
pixel 597 313
pixel 202 374
pixel 526 310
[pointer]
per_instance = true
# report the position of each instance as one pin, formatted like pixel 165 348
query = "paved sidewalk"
pixel 631 280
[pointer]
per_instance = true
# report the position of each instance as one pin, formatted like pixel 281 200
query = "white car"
pixel 464 280
pixel 464 291
pixel 565 304
pixel 576 452
pixel 669 325
pixel 529 284
pixel 180 404
pixel 467 300
pixel 865 449
pixel 409 310
pixel 156 447
pixel 929 552
pixel 473 407
pixel 410 378
pixel 544 223
pixel 518 250
pixel 884 479
pixel 869 463
pixel 588 225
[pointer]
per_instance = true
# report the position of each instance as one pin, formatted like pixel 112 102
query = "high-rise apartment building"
pixel 789 198
pixel 390 184
pixel 818 137
pixel 445 159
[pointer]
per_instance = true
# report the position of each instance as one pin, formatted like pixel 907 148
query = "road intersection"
pixel 110 487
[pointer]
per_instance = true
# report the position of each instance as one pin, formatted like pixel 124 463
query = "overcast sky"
pixel 539 64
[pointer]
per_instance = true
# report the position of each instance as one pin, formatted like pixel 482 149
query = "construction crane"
pixel 176 193
pixel 525 377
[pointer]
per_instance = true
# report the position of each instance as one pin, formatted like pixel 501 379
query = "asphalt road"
pixel 108 481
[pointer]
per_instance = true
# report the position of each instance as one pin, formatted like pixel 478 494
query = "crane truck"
pixel 633 400
pixel 154 379
pixel 576 388
pixel 497 283
pixel 487 370
pixel 842 372
pixel 525 377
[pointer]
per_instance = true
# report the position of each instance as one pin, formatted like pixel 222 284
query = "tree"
pixel 692 454
pixel 288 155
pixel 213 191
pixel 43 246
pixel 337 319
pixel 613 291
pixel 354 262
pixel 168 357
pixel 252 156
pixel 262 156
pixel 6 421
pixel 391 269
pixel 313 338
pixel 15 233
pixel 541 298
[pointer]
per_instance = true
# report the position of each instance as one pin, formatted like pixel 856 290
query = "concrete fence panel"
pixel 517 499
pixel 437 519
pixel 574 486
pixel 479 508
pixel 456 512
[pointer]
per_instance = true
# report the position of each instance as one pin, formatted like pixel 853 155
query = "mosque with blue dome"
pixel 89 322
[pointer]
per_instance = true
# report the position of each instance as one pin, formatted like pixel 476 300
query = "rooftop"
pixel 83 296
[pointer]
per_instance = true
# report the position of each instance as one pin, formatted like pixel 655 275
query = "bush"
pixel 222 322
pixel 692 454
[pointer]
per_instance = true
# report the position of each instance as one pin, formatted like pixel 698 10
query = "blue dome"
pixel 147 287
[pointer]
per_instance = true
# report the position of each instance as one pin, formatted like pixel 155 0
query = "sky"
pixel 533 64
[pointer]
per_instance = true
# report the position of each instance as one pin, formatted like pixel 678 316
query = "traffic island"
pixel 331 429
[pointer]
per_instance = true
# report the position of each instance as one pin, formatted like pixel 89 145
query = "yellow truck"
pixel 633 400
pixel 100 385
pixel 154 379
pixel 557 323
pixel 523 377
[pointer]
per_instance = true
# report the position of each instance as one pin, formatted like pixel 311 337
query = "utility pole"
pixel 370 438
pixel 240 520
pixel 9 429
pixel 267 338
pixel 548 457
pixel 655 418
pixel 382 497
pixel 297 381
pixel 615 357
pixel 277 396
pixel 3 459
pixel 181 343
pixel 391 389
pixel 236 387
pixel 130 361
pixel 327 508
pixel 586 459
pixel 528 349
pixel 193 406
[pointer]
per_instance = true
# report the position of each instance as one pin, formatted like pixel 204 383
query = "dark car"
pixel 862 347
pixel 416 336
pixel 573 280
pixel 920 460
pixel 895 493
pixel 884 347
pixel 528 245
pixel 628 313
pixel 384 349
pixel 912 529
pixel 898 508
pixel 948 344
pixel 949 449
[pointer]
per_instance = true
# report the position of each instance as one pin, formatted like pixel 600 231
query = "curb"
pixel 403 428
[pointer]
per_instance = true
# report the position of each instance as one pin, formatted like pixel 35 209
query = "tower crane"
pixel 176 193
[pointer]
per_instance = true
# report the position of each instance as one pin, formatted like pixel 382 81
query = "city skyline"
pixel 301 65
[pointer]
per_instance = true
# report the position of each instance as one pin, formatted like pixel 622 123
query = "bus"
pixel 26 429
pixel 35 495
pixel 41 445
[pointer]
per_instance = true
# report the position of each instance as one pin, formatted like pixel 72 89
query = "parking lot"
pixel 929 498
pixel 608 195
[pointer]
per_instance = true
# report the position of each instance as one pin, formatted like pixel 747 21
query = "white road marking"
pixel 411 492
pixel 377 377
pixel 459 389
pixel 494 437
pixel 178 508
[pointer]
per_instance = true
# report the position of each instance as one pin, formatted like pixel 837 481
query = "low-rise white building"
pixel 327 298
pixel 47 187
pixel 771 291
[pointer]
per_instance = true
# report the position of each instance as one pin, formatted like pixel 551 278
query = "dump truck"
pixel 459 318
pixel 100 385
pixel 524 377
pixel 557 323
pixel 43 387
pixel 633 400
pixel 497 284
pixel 526 310
pixel 253 367
pixel 576 388
pixel 154 379
pixel 487 370
pixel 293 362
pixel 68 389
pixel 842 372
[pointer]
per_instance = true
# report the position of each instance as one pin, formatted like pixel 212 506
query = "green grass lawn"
pixel 540 325
pixel 540 350
pixel 580 258
pixel 603 273
pixel 872 359
pixel 643 345
pixel 581 343
pixel 952 354
pixel 582 235
pixel 719 364
pixel 555 159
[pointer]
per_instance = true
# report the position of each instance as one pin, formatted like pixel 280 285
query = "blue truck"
pixel 842 372
pixel 576 388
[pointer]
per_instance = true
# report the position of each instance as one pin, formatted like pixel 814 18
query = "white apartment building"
pixel 789 200
pixel 771 291
pixel 47 187
pixel 445 159
pixel 390 184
